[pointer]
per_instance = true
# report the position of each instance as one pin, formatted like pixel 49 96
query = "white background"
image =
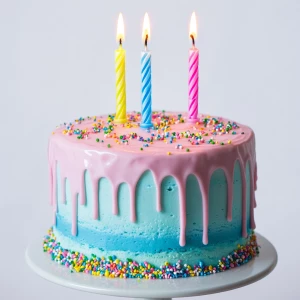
pixel 57 63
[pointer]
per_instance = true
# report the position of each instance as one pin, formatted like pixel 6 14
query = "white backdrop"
pixel 57 63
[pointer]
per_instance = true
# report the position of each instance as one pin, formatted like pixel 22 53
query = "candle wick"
pixel 193 40
pixel 120 42
pixel 146 41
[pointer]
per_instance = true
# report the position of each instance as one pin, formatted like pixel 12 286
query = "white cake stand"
pixel 255 270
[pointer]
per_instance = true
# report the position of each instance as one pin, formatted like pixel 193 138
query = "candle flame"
pixel 193 26
pixel 146 28
pixel 120 29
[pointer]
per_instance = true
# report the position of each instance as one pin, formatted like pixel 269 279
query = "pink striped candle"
pixel 193 74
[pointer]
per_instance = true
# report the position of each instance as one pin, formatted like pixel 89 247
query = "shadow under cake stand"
pixel 254 270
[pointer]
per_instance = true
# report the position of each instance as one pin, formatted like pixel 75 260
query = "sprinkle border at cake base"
pixel 112 267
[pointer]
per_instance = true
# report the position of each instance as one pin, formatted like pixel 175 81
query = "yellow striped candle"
pixel 120 55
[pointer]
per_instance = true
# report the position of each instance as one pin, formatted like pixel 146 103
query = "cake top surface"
pixel 171 133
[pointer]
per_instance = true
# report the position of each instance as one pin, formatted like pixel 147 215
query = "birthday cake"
pixel 175 200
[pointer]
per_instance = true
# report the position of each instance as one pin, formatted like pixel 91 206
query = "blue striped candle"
pixel 146 77
pixel 146 90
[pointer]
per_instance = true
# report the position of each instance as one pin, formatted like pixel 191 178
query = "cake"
pixel 175 200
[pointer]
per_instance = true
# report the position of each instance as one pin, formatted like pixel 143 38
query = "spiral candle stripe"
pixel 146 90
pixel 193 84
pixel 120 86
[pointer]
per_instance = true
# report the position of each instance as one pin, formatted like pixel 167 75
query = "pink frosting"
pixel 125 162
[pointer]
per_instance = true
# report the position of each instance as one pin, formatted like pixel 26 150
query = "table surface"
pixel 255 270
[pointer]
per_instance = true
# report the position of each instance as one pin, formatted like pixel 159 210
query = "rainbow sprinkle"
pixel 112 267
pixel 204 131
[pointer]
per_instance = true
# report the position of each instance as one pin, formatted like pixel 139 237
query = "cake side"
pixel 154 236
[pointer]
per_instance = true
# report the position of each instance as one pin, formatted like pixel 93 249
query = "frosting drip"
pixel 215 148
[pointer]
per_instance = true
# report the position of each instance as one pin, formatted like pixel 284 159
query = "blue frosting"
pixel 155 232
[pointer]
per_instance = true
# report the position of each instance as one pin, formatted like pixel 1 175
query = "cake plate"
pixel 254 270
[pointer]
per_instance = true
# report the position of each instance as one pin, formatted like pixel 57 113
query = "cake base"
pixel 253 271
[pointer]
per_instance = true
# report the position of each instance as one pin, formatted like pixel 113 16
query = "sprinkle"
pixel 169 153
pixel 108 145
pixel 187 150
pixel 97 140
pixel 166 129
pixel 112 267
pixel 141 149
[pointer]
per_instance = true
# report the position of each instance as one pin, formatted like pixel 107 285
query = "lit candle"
pixel 193 73
pixel 146 77
pixel 120 75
